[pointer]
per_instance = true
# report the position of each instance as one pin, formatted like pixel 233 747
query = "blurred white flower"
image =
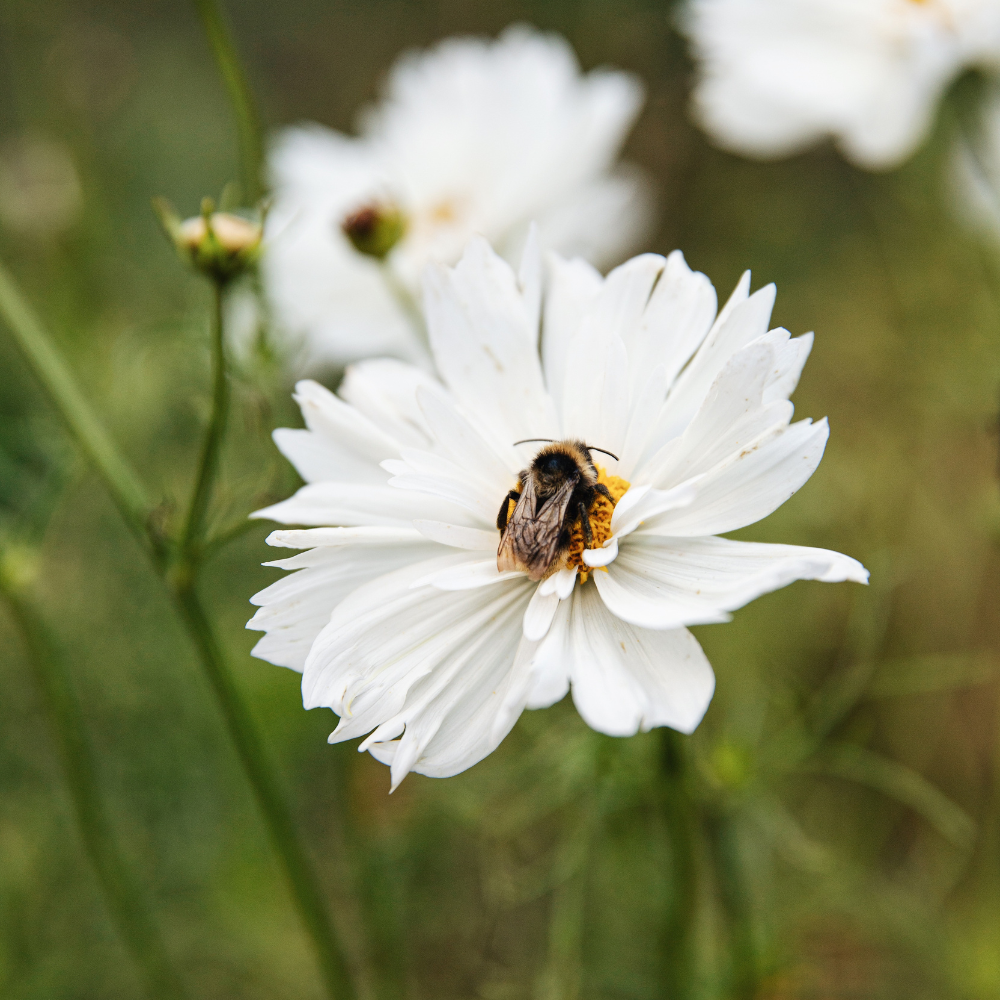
pixel 471 137
pixel 975 169
pixel 400 619
pixel 776 76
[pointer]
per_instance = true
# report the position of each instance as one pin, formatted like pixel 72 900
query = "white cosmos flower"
pixel 776 76
pixel 399 618
pixel 471 137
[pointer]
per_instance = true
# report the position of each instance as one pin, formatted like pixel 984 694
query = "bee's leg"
pixel 588 534
pixel 504 507
pixel 605 492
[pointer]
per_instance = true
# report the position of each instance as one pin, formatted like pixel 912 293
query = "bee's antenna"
pixel 529 440
pixel 590 447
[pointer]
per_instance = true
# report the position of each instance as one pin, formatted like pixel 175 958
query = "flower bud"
pixel 219 244
pixel 375 229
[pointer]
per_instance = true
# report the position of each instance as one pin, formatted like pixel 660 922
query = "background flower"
pixel 472 136
pixel 402 622
pixel 550 866
pixel 776 76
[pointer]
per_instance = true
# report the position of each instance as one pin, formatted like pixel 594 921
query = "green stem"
pixel 194 525
pixel 248 123
pixel 122 892
pixel 127 493
pixel 745 972
pixel 260 773
pixel 242 731
pixel 125 487
pixel 679 967
pixel 562 977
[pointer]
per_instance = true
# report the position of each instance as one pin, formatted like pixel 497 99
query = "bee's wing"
pixel 530 542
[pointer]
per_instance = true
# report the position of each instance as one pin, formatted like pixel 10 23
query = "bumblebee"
pixel 554 492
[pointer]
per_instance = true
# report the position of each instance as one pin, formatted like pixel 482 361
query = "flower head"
pixel 219 244
pixel 375 229
pixel 400 617
pixel 470 137
pixel 779 75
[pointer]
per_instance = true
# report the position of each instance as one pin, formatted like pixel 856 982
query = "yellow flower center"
pixel 600 523
pixel 444 213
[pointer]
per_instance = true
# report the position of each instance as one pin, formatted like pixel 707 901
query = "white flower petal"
pixel 793 352
pixel 614 405
pixel 596 558
pixel 458 536
pixel 749 485
pixel 293 610
pixel 529 278
pixel 308 538
pixel 572 287
pixel 339 444
pixel 549 662
pixel 641 503
pixel 484 345
pixel 467 575
pixel 674 322
pixel 645 408
pixel 560 583
pixel 539 613
pixel 450 490
pixel 385 391
pixel 666 582
pixel 438 663
pixel 354 504
pixel 734 329
pixel 732 415
pixel 460 441
pixel 613 314
pixel 625 679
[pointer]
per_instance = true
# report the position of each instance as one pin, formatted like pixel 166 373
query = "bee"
pixel 558 488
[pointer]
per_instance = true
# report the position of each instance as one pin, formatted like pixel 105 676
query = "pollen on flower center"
pixel 600 523
pixel 443 213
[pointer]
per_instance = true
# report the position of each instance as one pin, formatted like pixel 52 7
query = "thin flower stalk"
pixel 123 484
pixel 243 732
pixel 722 837
pixel 194 526
pixel 180 575
pixel 240 95
pixel 678 965
pixel 122 892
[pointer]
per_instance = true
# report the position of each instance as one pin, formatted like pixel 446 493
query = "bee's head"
pixel 560 461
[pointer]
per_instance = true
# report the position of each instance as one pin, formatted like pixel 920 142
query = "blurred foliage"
pixel 834 824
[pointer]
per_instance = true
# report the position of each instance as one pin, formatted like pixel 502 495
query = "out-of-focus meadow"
pixel 849 766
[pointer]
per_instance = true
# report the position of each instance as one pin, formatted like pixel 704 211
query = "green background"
pixel 848 767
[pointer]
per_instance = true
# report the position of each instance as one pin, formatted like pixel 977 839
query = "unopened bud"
pixel 219 244
pixel 375 229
